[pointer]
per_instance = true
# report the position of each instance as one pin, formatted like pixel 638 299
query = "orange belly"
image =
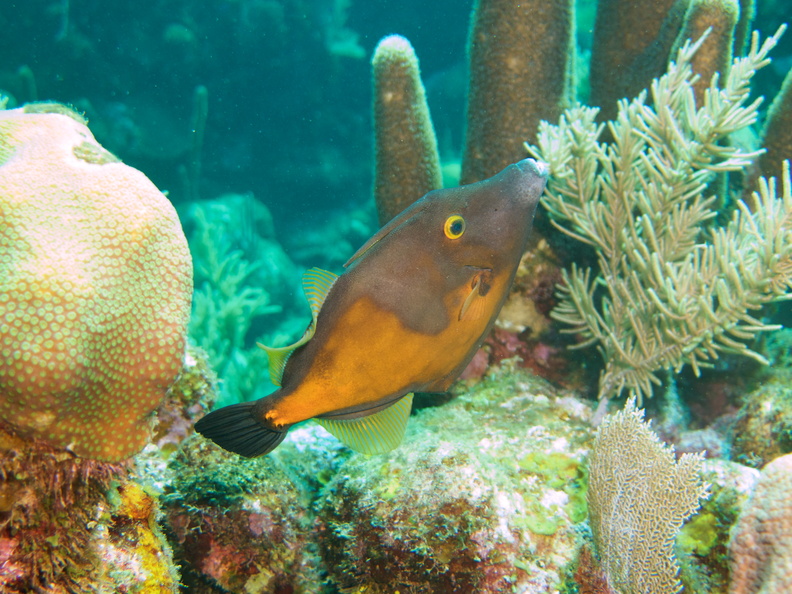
pixel 370 354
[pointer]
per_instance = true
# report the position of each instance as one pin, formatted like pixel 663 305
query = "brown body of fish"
pixel 408 314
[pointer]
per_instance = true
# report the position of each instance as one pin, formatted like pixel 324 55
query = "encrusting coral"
pixel 761 545
pixel 71 525
pixel 672 288
pixel 702 545
pixel 95 288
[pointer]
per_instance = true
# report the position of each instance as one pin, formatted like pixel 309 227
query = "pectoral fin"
pixel 316 285
pixel 377 433
pixel 474 306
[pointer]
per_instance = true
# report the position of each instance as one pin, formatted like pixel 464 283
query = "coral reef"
pixel 69 525
pixel 521 71
pixel 702 546
pixel 633 44
pixel 521 62
pixel 630 47
pixel 407 163
pixel 484 495
pixel 762 430
pixel 240 527
pixel 191 396
pixel 94 292
pixel 761 545
pixel 776 136
pixel 638 497
pixel 716 22
pixel 74 525
pixel 676 289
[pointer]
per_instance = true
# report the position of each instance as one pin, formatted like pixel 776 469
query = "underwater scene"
pixel 367 297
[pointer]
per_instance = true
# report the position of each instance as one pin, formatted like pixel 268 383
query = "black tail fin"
pixel 235 429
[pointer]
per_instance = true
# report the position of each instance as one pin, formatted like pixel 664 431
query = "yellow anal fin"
pixel 378 433
pixel 316 285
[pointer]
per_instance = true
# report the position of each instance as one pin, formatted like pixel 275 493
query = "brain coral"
pixel 95 288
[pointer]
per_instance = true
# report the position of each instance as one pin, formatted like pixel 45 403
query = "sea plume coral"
pixel 95 288
pixel 672 287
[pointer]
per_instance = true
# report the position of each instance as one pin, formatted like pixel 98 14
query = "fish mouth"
pixel 538 168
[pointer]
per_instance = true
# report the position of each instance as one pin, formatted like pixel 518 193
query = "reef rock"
pixel 70 525
pixel 484 495
pixel 238 525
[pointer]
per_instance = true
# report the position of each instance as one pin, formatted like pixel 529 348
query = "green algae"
pixel 699 535
pixel 702 545
pixel 564 472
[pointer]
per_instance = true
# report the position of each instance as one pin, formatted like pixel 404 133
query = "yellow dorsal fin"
pixel 316 285
pixel 375 434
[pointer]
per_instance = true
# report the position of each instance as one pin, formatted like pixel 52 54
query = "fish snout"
pixel 530 179
pixel 532 166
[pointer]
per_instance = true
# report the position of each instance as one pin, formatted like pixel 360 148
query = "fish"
pixel 408 313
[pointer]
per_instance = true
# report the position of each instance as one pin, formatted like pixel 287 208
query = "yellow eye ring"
pixel 454 227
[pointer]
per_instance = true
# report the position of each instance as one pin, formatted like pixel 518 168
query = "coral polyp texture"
pixel 95 288
pixel 521 61
pixel 408 164
pixel 761 546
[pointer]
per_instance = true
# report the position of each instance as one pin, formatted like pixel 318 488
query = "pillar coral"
pixel 761 545
pixel 634 41
pixel 407 160
pixel 95 288
pixel 521 72
pixel 776 135
pixel 720 17
pixel 631 45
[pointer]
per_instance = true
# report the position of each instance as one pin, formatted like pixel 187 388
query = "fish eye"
pixel 454 227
